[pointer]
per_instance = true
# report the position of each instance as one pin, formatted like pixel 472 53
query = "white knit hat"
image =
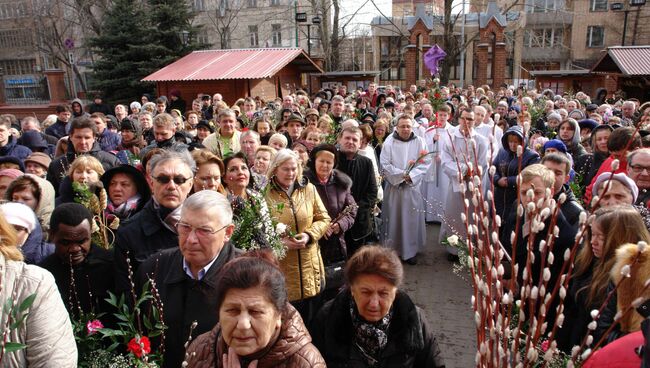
pixel 19 214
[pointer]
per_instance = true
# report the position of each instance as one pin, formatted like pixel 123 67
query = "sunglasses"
pixel 178 180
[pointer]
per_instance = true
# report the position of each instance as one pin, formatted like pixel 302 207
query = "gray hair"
pixel 631 155
pixel 209 201
pixel 338 99
pixel 171 154
pixel 251 133
pixel 226 112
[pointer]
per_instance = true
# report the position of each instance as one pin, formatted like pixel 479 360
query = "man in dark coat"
pixel 164 130
pixel 8 145
pixel 98 105
pixel 186 276
pixel 83 135
pixel 154 227
pixel 537 178
pixel 561 167
pixel 58 129
pixel 364 187
pixel 76 258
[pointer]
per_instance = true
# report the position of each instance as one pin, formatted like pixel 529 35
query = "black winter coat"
pixel 364 191
pixel 60 165
pixel 184 299
pixel 140 236
pixel 571 209
pixel 91 282
pixel 507 166
pixel 410 340
pixel 336 196
pixel 577 314
pixel 564 241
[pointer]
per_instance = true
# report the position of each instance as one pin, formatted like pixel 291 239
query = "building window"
pixel 15 38
pixel 598 5
pixel 252 3
pixel 543 6
pixel 254 38
pixel 276 34
pixel 544 38
pixel 18 67
pixel 13 10
pixel 595 36
pixel 198 5
pixel 275 2
pixel 202 37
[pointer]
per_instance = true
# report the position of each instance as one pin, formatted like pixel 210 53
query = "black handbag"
pixel 334 275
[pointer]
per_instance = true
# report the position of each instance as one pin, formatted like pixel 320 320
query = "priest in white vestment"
pixel 436 183
pixel 465 145
pixel 403 212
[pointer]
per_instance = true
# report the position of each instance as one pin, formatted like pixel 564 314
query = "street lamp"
pixel 302 18
pixel 184 36
pixel 315 20
pixel 626 10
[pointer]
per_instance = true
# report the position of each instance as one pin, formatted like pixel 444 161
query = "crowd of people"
pixel 113 199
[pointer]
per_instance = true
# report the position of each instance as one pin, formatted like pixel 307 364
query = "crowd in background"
pixel 340 170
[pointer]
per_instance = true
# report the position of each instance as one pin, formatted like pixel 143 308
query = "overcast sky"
pixel 367 12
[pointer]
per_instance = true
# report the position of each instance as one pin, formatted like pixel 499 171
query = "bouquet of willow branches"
pixel 95 199
pixel 517 325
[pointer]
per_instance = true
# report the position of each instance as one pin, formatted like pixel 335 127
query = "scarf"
pixel 124 210
pixel 370 338
pixel 168 217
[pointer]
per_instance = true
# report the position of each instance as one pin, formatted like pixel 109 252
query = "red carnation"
pixel 139 348
pixel 436 95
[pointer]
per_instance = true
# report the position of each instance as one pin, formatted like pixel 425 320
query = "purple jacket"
pixel 336 196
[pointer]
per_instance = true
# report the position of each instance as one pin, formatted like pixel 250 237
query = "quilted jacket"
pixel 46 331
pixel 303 212
pixel 292 349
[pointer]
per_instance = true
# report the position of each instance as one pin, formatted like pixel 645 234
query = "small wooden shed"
pixel 264 72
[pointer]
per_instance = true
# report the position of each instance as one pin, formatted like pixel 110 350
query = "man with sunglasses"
pixel 186 275
pixel 154 227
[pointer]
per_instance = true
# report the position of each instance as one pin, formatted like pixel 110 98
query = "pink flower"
pixel 411 162
pixel 93 326
pixel 544 345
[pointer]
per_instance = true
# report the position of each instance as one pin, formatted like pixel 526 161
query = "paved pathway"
pixel 445 297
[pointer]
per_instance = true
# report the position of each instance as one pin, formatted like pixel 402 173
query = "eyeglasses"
pixel 639 169
pixel 178 180
pixel 185 229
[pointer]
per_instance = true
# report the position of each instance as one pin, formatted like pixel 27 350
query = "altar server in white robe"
pixel 436 183
pixel 465 145
pixel 404 227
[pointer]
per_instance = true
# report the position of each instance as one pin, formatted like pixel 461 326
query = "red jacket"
pixel 620 353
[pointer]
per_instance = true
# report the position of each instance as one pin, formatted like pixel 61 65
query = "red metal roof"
pixel 629 60
pixel 232 64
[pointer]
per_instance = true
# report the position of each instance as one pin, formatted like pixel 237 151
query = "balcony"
pixel 554 18
pixel 537 54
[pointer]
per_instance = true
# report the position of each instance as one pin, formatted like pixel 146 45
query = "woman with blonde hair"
pixel 85 170
pixel 46 331
pixel 295 202
pixel 590 280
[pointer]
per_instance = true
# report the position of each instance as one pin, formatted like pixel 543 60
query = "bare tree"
pixel 225 19
pixel 61 26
